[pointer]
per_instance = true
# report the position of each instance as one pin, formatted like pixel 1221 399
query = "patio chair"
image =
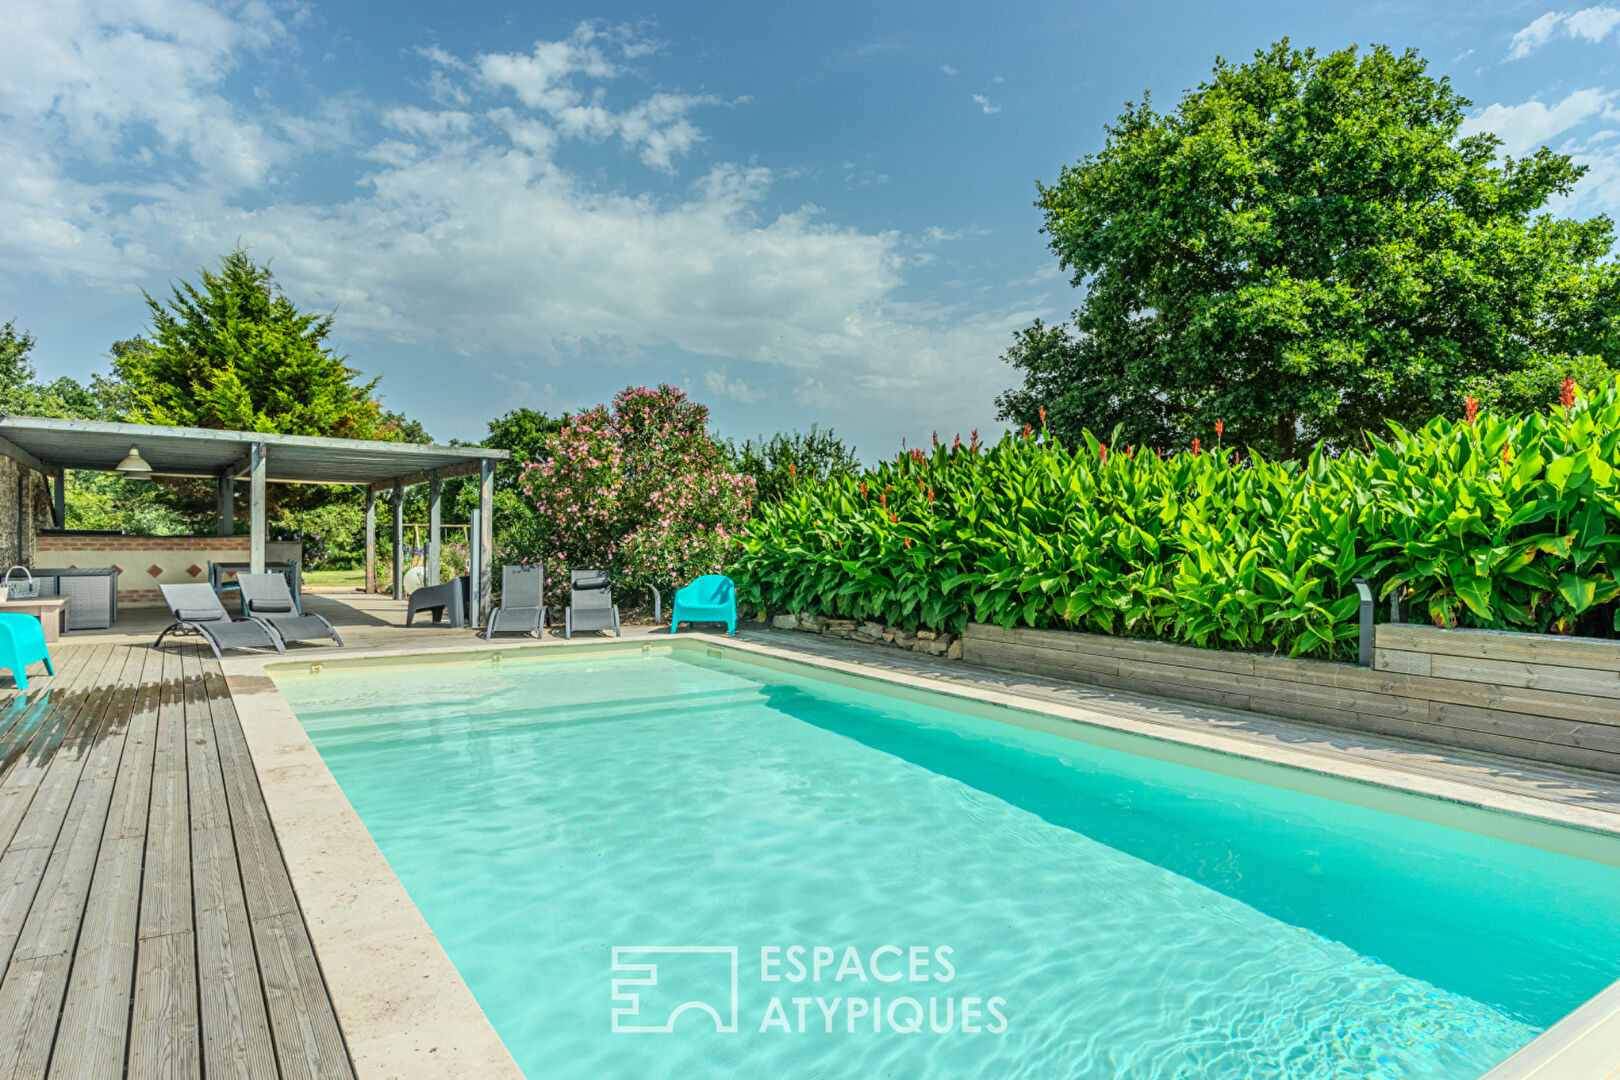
pixel 523 606
pixel 711 598
pixel 267 598
pixel 451 596
pixel 22 642
pixel 590 603
pixel 197 610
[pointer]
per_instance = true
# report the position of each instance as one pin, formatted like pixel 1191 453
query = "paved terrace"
pixel 148 922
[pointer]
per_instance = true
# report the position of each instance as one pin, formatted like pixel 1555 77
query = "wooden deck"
pixel 147 921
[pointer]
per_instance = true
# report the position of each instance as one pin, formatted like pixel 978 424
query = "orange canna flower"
pixel 1470 408
pixel 1102 453
pixel 1566 392
pixel 908 541
pixel 1043 416
pixel 1195 448
pixel 1027 431
pixel 1220 429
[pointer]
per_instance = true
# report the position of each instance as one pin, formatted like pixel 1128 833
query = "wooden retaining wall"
pixel 1537 697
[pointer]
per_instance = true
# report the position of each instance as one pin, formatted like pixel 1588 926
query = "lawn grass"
pixel 331 579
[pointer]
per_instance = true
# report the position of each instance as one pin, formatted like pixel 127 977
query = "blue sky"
pixel 800 213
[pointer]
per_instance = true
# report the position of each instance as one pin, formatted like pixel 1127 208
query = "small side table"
pixel 51 611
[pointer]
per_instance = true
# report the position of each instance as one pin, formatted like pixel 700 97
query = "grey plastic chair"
pixel 266 597
pixel 590 604
pixel 523 605
pixel 197 610
pixel 449 596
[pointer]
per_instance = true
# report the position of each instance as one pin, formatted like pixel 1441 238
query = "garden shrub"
pixel 641 489
pixel 1498 522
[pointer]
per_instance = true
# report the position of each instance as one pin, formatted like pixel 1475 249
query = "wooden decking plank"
pixel 166 884
pixel 133 791
pixel 308 1041
pixel 57 916
pixel 28 768
pixel 90 1040
pixel 20 872
pixel 209 808
pixel 94 1028
pixel 264 873
pixel 235 1026
pixel 163 1032
pixel 25 710
pixel 28 1014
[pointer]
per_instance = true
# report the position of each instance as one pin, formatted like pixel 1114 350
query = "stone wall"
pixel 31 503
pixel 875 633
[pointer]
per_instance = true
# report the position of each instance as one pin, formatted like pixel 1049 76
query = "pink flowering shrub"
pixel 641 489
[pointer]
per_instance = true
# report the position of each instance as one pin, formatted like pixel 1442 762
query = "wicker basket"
pixel 27 589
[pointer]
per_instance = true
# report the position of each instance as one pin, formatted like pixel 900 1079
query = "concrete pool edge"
pixel 1585 1045
pixel 404 1009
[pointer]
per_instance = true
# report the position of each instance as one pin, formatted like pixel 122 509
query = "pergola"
pixel 51 446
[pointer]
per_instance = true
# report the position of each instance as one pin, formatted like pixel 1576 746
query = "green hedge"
pixel 1502 522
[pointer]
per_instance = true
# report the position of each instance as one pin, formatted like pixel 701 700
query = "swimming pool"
pixel 850 865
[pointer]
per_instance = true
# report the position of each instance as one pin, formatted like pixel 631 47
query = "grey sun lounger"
pixel 590 605
pixel 266 597
pixel 197 610
pixel 523 605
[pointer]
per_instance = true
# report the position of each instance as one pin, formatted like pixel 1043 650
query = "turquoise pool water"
pixel 1134 918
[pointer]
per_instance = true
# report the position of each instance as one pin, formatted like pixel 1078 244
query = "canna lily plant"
pixel 1490 521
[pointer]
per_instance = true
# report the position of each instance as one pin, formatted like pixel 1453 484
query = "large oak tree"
pixel 1305 247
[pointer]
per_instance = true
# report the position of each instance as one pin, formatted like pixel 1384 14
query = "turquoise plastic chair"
pixel 711 598
pixel 22 642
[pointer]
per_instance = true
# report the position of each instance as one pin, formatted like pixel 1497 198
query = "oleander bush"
pixel 1504 522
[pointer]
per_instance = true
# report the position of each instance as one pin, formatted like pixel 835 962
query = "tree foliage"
pixel 1306 247
pixel 235 352
pixel 787 459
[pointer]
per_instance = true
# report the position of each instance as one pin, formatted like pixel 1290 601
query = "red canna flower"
pixel 894 518
pixel 793 470
pixel 1566 392
pixel 930 494
pixel 974 444
pixel 883 499
pixel 1220 429
pixel 863 489
pixel 1470 408
pixel 957 444
pixel 1506 455
pixel 936 438
pixel 1102 453
pixel 1027 430
pixel 908 541
pixel 1195 448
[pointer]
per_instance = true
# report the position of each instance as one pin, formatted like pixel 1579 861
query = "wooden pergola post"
pixel 59 498
pixel 225 504
pixel 371 541
pixel 435 490
pixel 258 525
pixel 399 540
pixel 486 541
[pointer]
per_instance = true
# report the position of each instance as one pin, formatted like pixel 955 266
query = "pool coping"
pixel 406 1010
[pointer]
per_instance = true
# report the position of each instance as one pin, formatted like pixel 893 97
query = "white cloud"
pixel 984 104
pixel 715 382
pixel 1522 128
pixel 466 235
pixel 1589 24
pixel 947 69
